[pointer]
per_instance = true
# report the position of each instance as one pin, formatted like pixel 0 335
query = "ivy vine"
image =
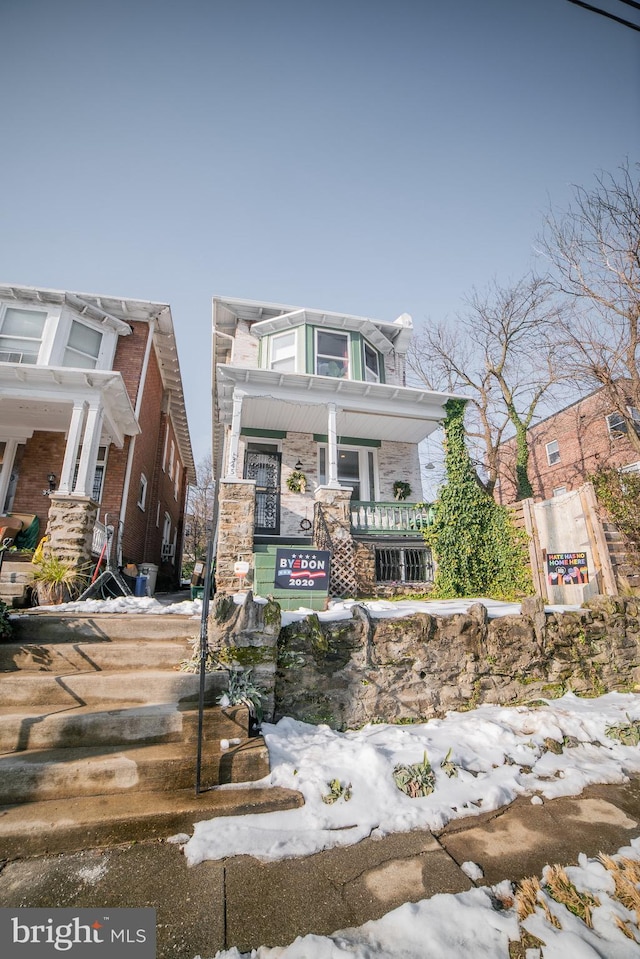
pixel 619 494
pixel 478 549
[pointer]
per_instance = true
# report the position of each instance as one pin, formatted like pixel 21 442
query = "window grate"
pixel 404 564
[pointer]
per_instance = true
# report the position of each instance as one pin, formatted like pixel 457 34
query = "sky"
pixel 367 156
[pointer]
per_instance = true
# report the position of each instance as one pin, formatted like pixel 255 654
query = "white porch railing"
pixel 390 519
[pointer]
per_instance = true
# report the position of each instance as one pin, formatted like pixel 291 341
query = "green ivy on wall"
pixel 619 493
pixel 478 549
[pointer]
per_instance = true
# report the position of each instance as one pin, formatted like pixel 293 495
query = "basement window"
pixel 404 564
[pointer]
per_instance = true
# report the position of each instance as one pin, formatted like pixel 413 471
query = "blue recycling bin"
pixel 141 585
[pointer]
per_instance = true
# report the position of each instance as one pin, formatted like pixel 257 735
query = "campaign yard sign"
pixel 567 569
pixel 302 569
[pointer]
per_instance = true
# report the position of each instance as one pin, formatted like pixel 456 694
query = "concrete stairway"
pixel 98 734
pixel 16 579
pixel 624 557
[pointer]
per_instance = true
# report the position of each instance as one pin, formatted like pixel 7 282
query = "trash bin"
pixel 150 570
pixel 141 585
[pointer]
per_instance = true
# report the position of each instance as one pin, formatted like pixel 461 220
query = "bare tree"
pixel 501 354
pixel 594 247
pixel 199 516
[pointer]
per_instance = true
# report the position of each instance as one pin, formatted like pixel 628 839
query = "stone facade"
pixel 399 461
pixel 235 530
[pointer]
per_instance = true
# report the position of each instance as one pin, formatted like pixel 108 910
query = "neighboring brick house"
pixel 93 427
pixel 569 446
pixel 313 428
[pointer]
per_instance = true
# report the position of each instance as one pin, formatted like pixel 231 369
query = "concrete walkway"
pixel 246 903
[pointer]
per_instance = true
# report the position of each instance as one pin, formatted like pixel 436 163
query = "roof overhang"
pixel 42 398
pixel 296 402
pixel 357 324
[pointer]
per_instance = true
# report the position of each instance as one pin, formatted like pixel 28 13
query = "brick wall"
pixel 40 455
pixel 584 443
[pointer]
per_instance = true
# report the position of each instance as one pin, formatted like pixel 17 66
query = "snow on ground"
pixel 468 924
pixel 498 753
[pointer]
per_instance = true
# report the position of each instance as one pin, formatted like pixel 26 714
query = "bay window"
pixel 21 335
pixel 283 352
pixel 332 354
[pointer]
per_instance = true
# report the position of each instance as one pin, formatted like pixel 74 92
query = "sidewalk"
pixel 246 903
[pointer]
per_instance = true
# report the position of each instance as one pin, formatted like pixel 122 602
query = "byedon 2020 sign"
pixel 302 569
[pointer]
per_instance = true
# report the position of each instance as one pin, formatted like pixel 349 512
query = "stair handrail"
pixel 204 650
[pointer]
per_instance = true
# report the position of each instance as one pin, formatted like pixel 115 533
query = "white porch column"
pixel 332 446
pixel 8 459
pixel 89 455
pixel 65 486
pixel 234 439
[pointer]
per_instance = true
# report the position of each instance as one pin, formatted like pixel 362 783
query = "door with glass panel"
pixel 262 464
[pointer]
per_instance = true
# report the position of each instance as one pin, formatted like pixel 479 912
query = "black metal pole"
pixel 204 644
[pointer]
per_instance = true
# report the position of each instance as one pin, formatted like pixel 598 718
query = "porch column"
pixel 89 455
pixel 332 446
pixel 65 485
pixel 234 439
pixel 8 459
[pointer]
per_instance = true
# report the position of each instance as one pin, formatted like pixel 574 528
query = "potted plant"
pixel 57 580
pixel 297 482
pixel 401 490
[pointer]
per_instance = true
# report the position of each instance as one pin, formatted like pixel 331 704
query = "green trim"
pixel 357 372
pixel 347 440
pixel 310 352
pixel 270 434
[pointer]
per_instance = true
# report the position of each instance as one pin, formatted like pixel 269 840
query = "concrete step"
pixel 43 626
pixel 24 687
pixel 99 655
pixel 25 728
pixel 48 774
pixel 61 826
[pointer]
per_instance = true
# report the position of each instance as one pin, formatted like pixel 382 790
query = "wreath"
pixel 401 490
pixel 297 482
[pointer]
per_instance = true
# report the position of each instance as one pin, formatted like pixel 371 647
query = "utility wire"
pixel 611 16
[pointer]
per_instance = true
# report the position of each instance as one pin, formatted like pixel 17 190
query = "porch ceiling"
pixel 298 403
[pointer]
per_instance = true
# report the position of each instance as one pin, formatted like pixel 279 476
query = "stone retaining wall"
pixel 350 672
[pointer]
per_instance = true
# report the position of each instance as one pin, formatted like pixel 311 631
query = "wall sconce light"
pixel 299 465
pixel 51 480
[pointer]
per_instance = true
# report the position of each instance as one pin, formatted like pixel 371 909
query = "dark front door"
pixel 264 468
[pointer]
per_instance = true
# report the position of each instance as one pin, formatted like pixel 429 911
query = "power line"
pixel 611 16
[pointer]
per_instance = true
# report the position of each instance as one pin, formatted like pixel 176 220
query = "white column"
pixel 89 455
pixel 71 449
pixel 234 438
pixel 8 460
pixel 332 446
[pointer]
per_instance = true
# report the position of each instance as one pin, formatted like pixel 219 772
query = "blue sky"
pixel 370 156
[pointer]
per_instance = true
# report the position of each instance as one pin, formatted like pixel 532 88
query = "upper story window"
pixel 83 346
pixel 332 354
pixel 283 352
pixel 617 423
pixel 553 452
pixel 371 364
pixel 21 335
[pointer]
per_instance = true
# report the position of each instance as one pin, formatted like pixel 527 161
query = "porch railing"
pixel 390 519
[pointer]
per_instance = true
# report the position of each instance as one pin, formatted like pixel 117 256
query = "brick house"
pixel 93 427
pixel 567 447
pixel 315 443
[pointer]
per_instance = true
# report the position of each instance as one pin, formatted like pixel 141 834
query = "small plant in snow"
pixel 243 691
pixel 415 780
pixel 192 665
pixel 627 733
pixel 337 791
pixel 448 766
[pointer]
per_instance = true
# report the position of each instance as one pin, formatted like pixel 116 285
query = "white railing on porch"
pixel 390 519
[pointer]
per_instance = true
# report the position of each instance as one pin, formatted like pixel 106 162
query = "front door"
pixel 262 464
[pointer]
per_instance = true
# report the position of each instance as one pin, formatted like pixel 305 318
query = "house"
pixel 569 446
pixel 93 428
pixel 315 444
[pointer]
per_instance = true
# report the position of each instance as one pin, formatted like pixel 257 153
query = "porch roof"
pixel 42 397
pixel 297 402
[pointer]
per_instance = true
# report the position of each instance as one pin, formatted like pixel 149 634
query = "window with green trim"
pixel 371 364
pixel 332 354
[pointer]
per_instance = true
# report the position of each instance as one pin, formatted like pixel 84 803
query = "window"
pixel 332 354
pixel 21 335
pixel 371 364
pixel 177 481
pixel 558 490
pixel 617 424
pixel 142 491
pixel 553 452
pixel 166 551
pixel 172 454
pixel 83 347
pixel 404 564
pixel 357 470
pixel 283 352
pixel 164 450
